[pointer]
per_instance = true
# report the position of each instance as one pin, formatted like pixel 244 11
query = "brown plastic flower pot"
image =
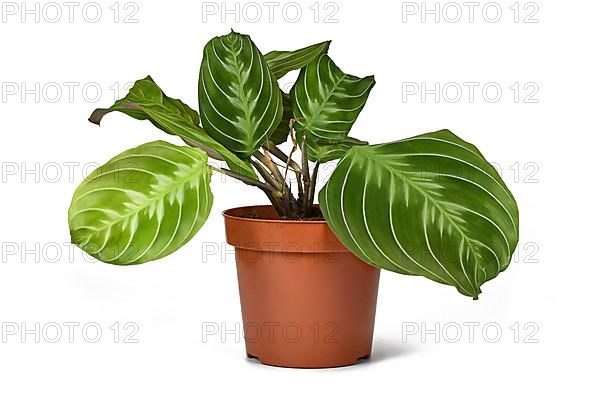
pixel 307 302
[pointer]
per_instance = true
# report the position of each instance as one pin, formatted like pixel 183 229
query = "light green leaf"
pixel 430 205
pixel 327 102
pixel 143 204
pixel 240 102
pixel 146 100
pixel 282 62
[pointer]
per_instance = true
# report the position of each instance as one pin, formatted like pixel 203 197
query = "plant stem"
pixel 289 162
pixel 311 189
pixel 306 178
pixel 275 186
pixel 289 203
pixel 276 204
pixel 268 162
pixel 280 202
pixel 265 174
pixel 273 149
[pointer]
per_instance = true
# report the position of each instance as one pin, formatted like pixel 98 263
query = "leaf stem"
pixel 211 152
pixel 273 149
pixel 305 177
pixel 311 189
pixel 289 162
pixel 248 181
pixel 289 202
pixel 281 202
pixel 266 160
pixel 265 174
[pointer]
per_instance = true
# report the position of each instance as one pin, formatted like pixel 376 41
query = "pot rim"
pixel 227 215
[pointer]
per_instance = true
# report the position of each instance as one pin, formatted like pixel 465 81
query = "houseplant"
pixel 429 205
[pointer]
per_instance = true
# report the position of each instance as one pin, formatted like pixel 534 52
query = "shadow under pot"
pixel 306 300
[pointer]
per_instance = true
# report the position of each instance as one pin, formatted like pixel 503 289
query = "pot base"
pixel 342 364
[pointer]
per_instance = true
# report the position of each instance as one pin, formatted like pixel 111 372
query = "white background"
pixel 550 286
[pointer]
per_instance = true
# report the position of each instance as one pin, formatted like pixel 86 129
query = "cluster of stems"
pixel 275 183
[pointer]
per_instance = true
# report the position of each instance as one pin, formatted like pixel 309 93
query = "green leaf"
pixel 240 102
pixel 282 62
pixel 143 204
pixel 430 205
pixel 327 102
pixel 281 133
pixel 146 100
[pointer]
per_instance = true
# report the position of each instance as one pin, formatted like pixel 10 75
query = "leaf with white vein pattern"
pixel 240 102
pixel 143 204
pixel 430 205
pixel 282 62
pixel 326 102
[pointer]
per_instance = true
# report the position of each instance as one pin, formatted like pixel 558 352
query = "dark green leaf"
pixel 327 102
pixel 282 62
pixel 430 205
pixel 240 102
